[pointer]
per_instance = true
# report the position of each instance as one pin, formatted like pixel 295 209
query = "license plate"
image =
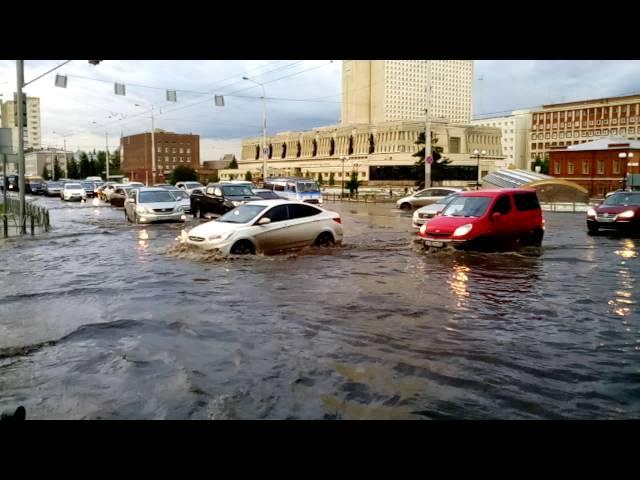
pixel 605 219
pixel 433 243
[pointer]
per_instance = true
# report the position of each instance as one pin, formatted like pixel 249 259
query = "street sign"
pixel 429 159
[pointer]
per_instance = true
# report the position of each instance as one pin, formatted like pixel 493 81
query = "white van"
pixel 296 189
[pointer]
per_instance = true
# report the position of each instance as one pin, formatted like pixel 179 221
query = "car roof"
pixel 492 192
pixel 273 202
pixel 151 189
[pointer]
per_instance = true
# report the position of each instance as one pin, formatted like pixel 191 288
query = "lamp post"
pixel 64 148
pixel 623 156
pixel 354 168
pixel 264 128
pixel 153 146
pixel 477 153
pixel 343 159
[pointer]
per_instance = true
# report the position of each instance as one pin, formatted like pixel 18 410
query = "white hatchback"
pixel 268 226
pixel 73 191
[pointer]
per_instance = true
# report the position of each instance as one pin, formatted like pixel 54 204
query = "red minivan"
pixel 487 219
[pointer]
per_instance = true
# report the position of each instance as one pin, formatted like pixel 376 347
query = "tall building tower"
pixel 375 91
pixel 33 130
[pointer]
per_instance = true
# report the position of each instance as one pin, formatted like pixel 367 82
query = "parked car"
pixel 72 191
pixel 620 211
pixel 424 214
pixel 134 184
pixel 11 183
pixel 34 187
pixel 52 188
pixel 265 194
pixel 108 189
pixel 425 197
pixel 188 186
pixel 89 187
pixel 487 219
pixel 119 195
pixel 219 198
pixel 148 204
pixel 268 226
pixel 93 179
pixel 183 199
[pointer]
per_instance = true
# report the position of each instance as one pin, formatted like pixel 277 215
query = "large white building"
pixel 33 130
pixel 515 137
pixel 376 91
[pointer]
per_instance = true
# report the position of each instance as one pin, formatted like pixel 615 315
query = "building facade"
pixel 377 91
pixel 598 165
pixel 565 124
pixel 515 137
pixel 33 130
pixel 36 161
pixel 172 150
pixel 379 154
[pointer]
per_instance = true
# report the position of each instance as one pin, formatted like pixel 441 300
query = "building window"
pixel 632 130
pixel 616 166
pixel 166 149
pixel 600 167
pixel 189 150
pixel 614 131
pixel 174 150
pixel 189 159
pixel 586 167
pixel 556 167
pixel 160 149
pixel 166 159
pixel 181 150
pixel 181 159
pixel 597 132
pixel 174 158
pixel 570 168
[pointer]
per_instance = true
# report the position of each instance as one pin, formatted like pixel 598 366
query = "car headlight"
pixel 180 210
pixel 463 230
pixel 591 212
pixel 220 237
pixel 236 203
pixel 141 210
pixel 423 229
pixel 320 201
pixel 626 214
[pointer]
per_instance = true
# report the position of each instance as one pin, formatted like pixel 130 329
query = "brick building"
pixel 573 123
pixel 598 166
pixel 172 149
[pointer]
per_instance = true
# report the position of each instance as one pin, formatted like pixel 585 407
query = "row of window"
pixel 600 111
pixel 174 159
pixel 173 150
pixel 588 133
pixel 590 123
pixel 586 167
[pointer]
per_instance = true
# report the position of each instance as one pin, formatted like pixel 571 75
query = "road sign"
pixel 429 159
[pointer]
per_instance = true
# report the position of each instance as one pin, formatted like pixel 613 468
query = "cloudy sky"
pixel 304 94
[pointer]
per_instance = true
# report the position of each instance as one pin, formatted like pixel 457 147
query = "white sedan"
pixel 424 214
pixel 73 191
pixel 268 226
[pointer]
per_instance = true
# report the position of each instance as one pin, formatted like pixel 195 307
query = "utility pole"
pixel 153 148
pixel 21 165
pixel 106 143
pixel 427 132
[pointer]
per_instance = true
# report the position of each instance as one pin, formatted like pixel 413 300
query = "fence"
pixel 362 197
pixel 35 216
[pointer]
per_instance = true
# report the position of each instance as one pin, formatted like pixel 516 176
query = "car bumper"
pixel 75 197
pixel 418 222
pixel 223 247
pixel 161 217
pixel 615 225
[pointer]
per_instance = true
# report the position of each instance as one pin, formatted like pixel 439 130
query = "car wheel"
pixel 195 211
pixel 243 247
pixel 135 218
pixel 325 239
pixel 405 206
pixel 536 237
pixel 593 228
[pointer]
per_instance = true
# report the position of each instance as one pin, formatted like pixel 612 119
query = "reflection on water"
pixel 458 282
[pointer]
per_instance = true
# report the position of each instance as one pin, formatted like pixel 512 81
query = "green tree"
pixel 438 165
pixel 353 183
pixel 45 173
pixel 247 176
pixel 320 180
pixel 306 175
pixel 332 180
pixel 543 163
pixel 183 173
pixel 84 167
pixel 232 177
pixel 72 168
pixel 233 163
pixel 57 171
pixel 213 178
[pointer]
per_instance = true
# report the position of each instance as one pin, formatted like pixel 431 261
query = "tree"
pixel 232 177
pixel 45 173
pixel 72 169
pixel 332 180
pixel 233 163
pixel 320 180
pixel 542 163
pixel 353 183
pixel 213 178
pixel 183 173
pixel 247 176
pixel 84 168
pixel 57 171
pixel 438 165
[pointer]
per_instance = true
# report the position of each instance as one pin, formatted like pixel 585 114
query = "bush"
pixel 183 173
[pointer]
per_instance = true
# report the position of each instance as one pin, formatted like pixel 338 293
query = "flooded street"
pixel 104 319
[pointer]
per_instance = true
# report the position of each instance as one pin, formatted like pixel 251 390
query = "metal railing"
pixel 36 216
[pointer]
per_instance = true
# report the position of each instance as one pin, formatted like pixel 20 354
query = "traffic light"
pixel 24 109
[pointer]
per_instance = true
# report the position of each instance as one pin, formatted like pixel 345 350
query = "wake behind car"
pixel 148 204
pixel 620 211
pixel 487 219
pixel 424 214
pixel 425 197
pixel 219 198
pixel 72 191
pixel 268 226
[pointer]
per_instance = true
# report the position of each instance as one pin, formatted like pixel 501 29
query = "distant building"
pixel 33 130
pixel 35 161
pixel 211 168
pixel 172 150
pixel 573 123
pixel 598 165
pixel 515 137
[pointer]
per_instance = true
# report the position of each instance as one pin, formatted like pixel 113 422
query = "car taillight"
pixel 337 220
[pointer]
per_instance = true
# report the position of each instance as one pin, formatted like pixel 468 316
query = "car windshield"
pixel 158 196
pixel 623 198
pixel 305 187
pixel 87 185
pixel 242 214
pixel 69 186
pixel 467 207
pixel 54 184
pixel 179 194
pixel 266 195
pixel 192 184
pixel 239 190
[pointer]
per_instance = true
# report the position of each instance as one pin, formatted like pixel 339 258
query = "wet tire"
pixel 243 247
pixel 325 239
pixel 536 237
pixel 405 206
pixel 195 212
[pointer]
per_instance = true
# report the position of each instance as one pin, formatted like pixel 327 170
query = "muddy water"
pixel 104 319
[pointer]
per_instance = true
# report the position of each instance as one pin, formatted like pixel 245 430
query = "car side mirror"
pixel 264 221
pixel 495 216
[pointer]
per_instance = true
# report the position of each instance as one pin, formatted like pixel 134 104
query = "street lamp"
pixel 343 159
pixel 622 156
pixel 479 154
pixel 153 145
pixel 264 128
pixel 64 148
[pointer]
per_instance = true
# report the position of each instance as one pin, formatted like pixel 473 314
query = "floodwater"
pixel 104 319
